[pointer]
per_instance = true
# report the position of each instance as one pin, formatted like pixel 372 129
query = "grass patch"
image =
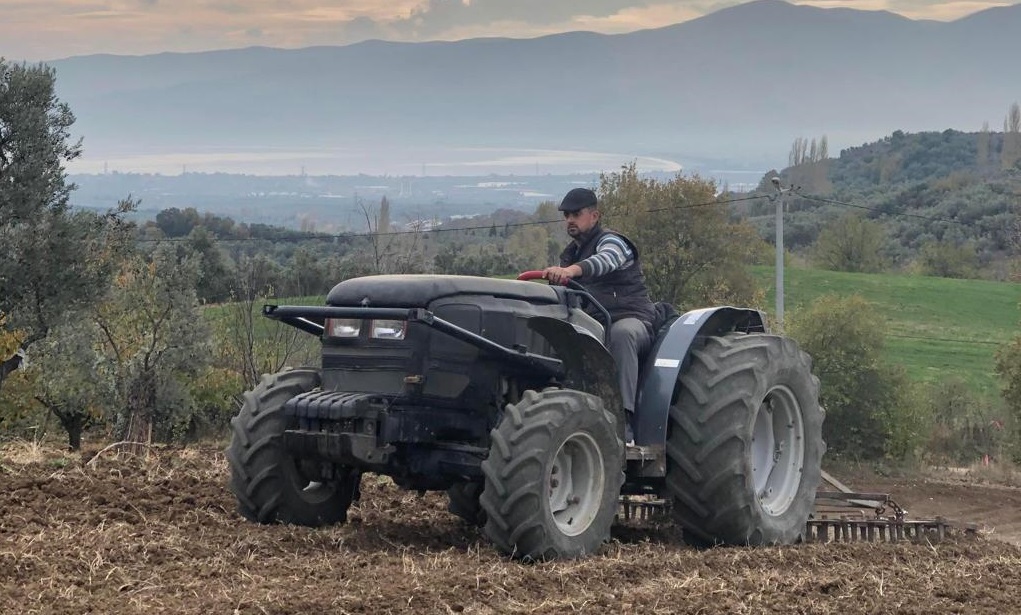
pixel 936 327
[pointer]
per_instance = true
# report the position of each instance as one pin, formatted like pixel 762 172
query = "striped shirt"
pixel 612 253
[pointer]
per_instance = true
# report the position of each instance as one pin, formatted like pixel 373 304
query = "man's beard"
pixel 573 231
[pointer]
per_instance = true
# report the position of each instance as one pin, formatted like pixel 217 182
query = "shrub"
pixel 872 409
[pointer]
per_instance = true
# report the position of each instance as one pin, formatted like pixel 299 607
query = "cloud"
pixel 48 29
pixel 914 9
pixel 439 16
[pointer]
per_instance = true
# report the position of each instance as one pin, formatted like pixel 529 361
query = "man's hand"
pixel 560 275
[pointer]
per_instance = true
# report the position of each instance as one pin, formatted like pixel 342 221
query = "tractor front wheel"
pixel 745 447
pixel 553 476
pixel 266 479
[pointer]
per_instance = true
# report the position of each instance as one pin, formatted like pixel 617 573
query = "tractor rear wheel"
pixel 268 481
pixel 553 476
pixel 745 447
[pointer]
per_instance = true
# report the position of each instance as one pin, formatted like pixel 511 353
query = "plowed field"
pixel 160 535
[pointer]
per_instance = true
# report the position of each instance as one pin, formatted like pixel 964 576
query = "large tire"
pixel 553 476
pixel 745 447
pixel 464 502
pixel 265 478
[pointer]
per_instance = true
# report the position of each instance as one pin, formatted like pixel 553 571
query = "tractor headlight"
pixel 343 327
pixel 388 329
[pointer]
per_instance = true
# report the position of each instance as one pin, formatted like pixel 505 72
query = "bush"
pixel 964 427
pixel 1008 367
pixel 872 409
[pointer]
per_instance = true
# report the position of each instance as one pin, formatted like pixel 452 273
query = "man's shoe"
pixel 629 435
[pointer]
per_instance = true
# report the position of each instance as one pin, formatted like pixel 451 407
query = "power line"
pixel 876 209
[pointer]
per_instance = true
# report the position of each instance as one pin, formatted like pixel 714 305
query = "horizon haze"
pixel 729 90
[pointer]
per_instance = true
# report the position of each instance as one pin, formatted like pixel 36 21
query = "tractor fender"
pixel 669 355
pixel 588 365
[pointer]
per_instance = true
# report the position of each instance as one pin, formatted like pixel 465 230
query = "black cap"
pixel 577 199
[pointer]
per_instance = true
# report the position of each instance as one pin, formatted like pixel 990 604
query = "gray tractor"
pixel 502 394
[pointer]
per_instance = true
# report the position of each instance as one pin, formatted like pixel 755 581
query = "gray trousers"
pixel 629 337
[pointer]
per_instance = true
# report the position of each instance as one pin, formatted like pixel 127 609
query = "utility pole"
pixel 780 198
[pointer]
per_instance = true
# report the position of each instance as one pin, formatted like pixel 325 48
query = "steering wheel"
pixel 541 275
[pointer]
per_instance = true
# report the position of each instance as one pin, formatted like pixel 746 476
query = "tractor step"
pixel 644 454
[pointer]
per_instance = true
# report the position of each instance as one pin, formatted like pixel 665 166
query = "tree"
pixel 392 252
pixel 1011 152
pixel 18 407
pixel 74 384
pixel 55 260
pixel 809 164
pixel 851 243
pixel 692 253
pixel 527 245
pixel 384 216
pixel 964 426
pixel 982 147
pixel 155 341
pixel 947 259
pixel 176 222
pixel 215 272
pixel 871 409
pixel 252 345
pixel 1008 368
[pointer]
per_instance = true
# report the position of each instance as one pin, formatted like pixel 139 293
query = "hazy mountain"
pixel 739 84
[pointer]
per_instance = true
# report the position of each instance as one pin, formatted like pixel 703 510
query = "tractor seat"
pixel 418 291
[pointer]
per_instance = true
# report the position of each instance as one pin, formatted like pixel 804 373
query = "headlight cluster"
pixel 378 329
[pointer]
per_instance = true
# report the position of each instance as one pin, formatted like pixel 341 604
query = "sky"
pixel 42 30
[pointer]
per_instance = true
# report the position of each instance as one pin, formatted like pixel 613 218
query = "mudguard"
pixel 669 356
pixel 588 365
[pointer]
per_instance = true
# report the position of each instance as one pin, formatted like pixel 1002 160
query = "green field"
pixel 936 326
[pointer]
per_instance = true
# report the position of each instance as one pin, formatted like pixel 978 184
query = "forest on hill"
pixel 941 203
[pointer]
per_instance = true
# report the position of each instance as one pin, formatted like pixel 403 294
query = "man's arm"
pixel 612 253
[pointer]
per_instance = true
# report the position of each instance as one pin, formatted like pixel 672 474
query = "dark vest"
pixel 622 292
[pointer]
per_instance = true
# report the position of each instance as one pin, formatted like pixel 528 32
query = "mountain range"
pixel 738 85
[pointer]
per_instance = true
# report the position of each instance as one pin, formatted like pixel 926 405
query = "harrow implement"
pixel 841 515
pixel 848 516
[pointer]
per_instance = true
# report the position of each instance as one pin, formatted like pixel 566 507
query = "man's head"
pixel 580 211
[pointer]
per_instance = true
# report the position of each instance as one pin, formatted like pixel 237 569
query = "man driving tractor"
pixel 607 263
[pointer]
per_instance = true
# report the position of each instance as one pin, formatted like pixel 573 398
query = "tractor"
pixel 503 394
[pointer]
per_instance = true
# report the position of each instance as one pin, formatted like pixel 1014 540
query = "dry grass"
pixel 27 452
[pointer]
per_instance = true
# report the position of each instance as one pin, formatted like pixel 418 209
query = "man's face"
pixel 581 221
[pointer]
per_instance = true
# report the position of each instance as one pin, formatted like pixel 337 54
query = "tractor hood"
pixel 419 291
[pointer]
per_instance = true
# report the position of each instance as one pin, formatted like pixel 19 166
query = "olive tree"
pixel 73 383
pixel 156 341
pixel 54 260
pixel 693 254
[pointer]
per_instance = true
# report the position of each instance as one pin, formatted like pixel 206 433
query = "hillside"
pixel 922 187
pixel 736 85
pixel 937 328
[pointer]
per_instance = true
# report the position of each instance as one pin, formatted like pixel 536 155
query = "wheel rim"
pixel 576 481
pixel 778 450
